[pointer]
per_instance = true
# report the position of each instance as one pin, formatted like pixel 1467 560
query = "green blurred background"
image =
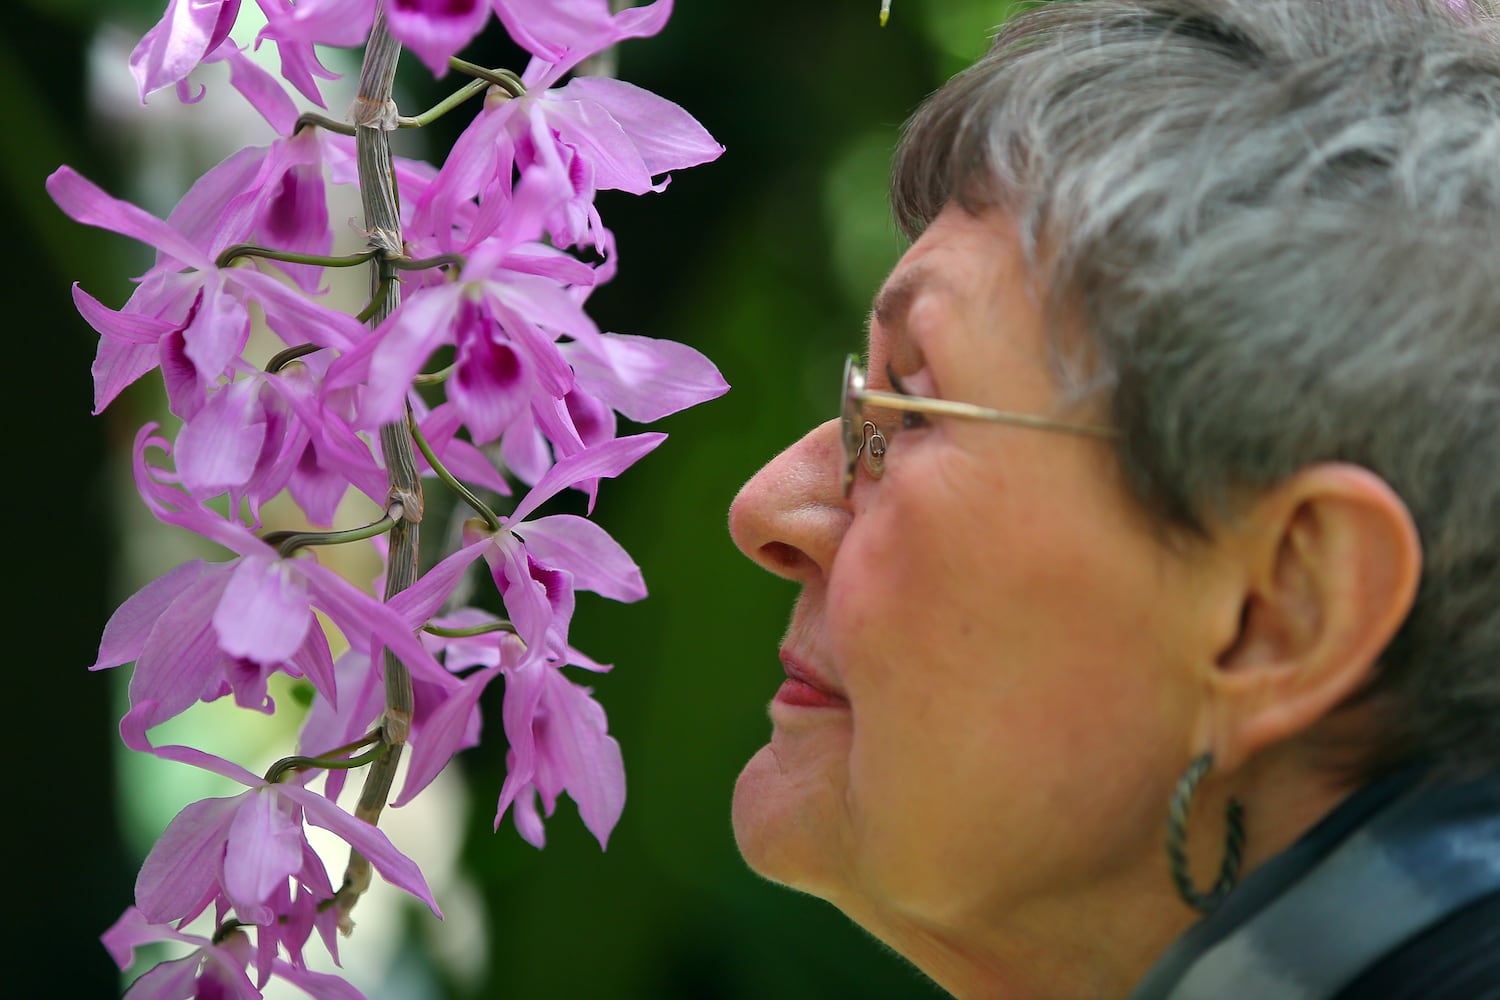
pixel 764 260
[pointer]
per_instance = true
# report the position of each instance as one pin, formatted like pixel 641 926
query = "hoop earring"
pixel 1234 842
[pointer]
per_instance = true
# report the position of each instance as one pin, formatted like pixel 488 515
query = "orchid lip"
pixel 802 673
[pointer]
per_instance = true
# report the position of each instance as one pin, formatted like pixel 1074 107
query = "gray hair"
pixel 1278 221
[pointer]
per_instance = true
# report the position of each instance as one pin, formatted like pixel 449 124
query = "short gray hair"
pixel 1280 220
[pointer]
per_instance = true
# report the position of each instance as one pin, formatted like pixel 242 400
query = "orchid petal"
pixel 116 366
pixel 295 318
pixel 581 547
pixel 585 756
pixel 260 88
pixel 645 378
pixel 421 601
pixel 393 866
pixel 489 385
pixel 340 23
pixel 319 985
pixel 262 850
pixel 397 350
pixel 85 202
pixel 436 30
pixel 664 135
pixel 443 734
pixel 523 691
pixel 188 31
pixel 125 328
pixel 184 862
pixel 264 613
pixel 604 461
pixel 601 142
pixel 133 930
pixel 566 34
pixel 216 335
pixel 176 979
pixel 218 449
pixel 130 626
pixel 180 661
pixel 526 599
pixel 357 613
pixel 203 216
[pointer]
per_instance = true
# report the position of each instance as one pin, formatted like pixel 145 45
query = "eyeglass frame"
pixel 863 438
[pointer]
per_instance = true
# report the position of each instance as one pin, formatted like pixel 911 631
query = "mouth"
pixel 804 688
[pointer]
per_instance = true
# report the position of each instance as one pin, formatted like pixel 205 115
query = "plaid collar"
pixel 1392 860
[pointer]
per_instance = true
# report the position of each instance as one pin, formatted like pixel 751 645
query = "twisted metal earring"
pixel 1234 843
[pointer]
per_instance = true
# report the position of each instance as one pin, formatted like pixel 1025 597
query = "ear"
pixel 1331 562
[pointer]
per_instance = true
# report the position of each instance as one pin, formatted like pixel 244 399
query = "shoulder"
pixel 1455 959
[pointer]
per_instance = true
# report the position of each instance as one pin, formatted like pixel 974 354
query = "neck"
pixel 1101 939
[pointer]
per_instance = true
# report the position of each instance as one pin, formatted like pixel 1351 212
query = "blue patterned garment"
pixel 1393 861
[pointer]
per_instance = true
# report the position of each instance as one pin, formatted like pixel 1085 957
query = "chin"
pixel 784 824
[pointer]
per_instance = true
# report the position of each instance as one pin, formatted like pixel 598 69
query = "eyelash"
pixel 909 419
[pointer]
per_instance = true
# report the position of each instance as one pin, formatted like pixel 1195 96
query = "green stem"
pixel 287 765
pixel 291 541
pixel 239 250
pixel 426 263
pixel 382 293
pixel 469 630
pixel 373 736
pixel 286 357
pixel 225 929
pixel 322 121
pixel 491 521
pixel 433 378
pixel 502 78
pixel 444 106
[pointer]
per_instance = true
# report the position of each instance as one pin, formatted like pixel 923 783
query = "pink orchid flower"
pixel 203 629
pixel 242 849
pixel 188 316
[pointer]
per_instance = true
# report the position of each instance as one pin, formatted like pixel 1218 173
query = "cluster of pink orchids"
pixel 487 263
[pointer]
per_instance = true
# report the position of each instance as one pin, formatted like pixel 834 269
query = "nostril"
pixel 782 558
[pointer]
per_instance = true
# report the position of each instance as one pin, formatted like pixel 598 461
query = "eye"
pixel 910 420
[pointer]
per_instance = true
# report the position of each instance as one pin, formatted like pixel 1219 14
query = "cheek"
pixel 1006 669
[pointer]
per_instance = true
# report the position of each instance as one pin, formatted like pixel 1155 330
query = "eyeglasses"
pixel 863 439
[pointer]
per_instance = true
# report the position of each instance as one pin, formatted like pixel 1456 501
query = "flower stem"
pixel 322 121
pixel 329 762
pixel 433 378
pixel 426 263
pixel 290 541
pixel 464 632
pixel 224 930
pixel 502 78
pixel 239 250
pixel 377 304
pixel 375 114
pixel 444 106
pixel 283 358
pixel 491 521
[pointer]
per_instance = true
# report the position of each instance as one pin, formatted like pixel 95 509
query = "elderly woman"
pixel 1166 509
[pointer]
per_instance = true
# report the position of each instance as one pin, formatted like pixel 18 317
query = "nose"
pixel 791 515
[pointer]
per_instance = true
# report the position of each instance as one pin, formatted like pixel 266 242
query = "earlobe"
pixel 1332 562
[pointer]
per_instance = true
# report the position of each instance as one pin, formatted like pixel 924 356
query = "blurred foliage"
pixel 765 261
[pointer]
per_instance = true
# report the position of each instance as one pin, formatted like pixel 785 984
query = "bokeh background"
pixel 764 260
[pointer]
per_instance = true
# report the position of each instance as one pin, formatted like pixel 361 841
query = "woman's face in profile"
pixel 985 705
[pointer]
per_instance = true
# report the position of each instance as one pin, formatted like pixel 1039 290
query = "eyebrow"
pixel 895 299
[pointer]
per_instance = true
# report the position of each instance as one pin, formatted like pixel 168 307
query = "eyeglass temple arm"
pixel 968 411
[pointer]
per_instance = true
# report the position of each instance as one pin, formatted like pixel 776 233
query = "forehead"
pixel 965 270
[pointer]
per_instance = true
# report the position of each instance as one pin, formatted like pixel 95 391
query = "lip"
pixel 805 687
